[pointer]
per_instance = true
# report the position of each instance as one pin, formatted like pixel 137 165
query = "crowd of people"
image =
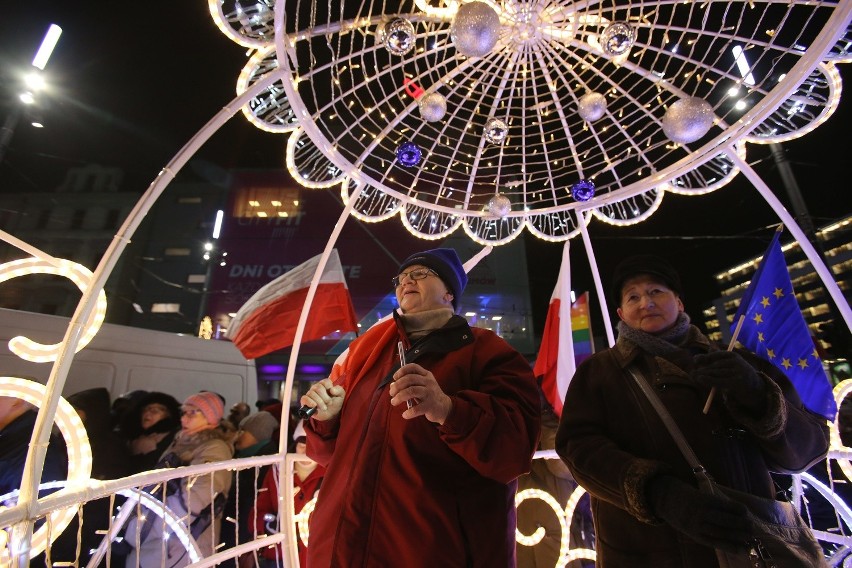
pixel 420 438
pixel 141 432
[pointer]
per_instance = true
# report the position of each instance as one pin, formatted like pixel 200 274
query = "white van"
pixel 124 359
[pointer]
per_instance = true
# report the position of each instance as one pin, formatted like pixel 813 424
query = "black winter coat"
pixel 613 442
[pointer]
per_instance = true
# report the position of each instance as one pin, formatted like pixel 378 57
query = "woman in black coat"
pixel 149 427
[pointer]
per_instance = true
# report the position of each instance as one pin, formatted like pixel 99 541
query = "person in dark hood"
pixel 110 460
pixel 149 427
pixel 109 454
pixel 122 404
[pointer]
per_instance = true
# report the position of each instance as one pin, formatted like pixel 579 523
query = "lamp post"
pixel 211 255
pixel 34 82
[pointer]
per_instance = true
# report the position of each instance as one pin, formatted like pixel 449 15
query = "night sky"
pixel 132 82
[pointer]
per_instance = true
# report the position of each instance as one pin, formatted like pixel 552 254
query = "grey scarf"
pixel 668 342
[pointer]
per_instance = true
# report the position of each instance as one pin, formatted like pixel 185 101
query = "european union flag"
pixel 775 330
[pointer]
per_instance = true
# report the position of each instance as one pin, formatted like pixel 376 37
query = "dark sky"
pixel 133 81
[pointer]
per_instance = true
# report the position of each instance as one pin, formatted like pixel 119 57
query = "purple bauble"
pixel 408 154
pixel 583 190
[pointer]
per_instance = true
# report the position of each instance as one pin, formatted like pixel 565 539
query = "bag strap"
pixel 697 469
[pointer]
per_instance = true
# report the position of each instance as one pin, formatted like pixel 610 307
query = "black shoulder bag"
pixel 781 537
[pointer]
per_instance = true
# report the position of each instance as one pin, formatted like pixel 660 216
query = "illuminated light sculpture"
pixel 616 51
pixel 566 553
pixel 30 350
pixel 79 461
pixel 534 75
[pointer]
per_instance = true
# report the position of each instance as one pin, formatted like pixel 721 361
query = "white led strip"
pixel 30 350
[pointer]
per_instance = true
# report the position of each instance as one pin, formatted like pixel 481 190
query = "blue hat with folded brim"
pixel 446 263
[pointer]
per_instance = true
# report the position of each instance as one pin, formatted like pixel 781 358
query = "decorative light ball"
pixel 398 36
pixel 688 120
pixel 475 29
pixel 499 205
pixel 583 190
pixel 495 131
pixel 617 38
pixel 433 107
pixel 591 106
pixel 408 154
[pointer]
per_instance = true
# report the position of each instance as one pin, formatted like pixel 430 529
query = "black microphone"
pixel 306 411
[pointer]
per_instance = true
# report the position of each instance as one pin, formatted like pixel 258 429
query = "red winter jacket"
pixel 410 492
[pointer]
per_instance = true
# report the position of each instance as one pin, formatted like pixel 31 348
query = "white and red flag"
pixel 267 321
pixel 555 362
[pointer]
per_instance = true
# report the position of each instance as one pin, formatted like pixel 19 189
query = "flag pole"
pixel 730 348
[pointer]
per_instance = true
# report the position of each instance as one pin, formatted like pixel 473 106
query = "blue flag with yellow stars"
pixel 775 330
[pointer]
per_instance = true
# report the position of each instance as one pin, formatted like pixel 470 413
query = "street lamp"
pixel 34 82
pixel 211 254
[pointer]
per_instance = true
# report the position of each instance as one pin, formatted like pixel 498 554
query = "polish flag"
pixel 555 362
pixel 267 321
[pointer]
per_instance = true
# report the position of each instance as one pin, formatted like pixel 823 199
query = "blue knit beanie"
pixel 447 264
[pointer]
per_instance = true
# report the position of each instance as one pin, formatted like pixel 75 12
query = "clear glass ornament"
pixel 398 36
pixel 617 38
pixel 495 131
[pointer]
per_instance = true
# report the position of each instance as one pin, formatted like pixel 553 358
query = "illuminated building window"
pixel 266 201
pixel 177 251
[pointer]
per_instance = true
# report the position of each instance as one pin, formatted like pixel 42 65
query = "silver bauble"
pixel 499 205
pixel 495 131
pixel 475 29
pixel 617 38
pixel 433 107
pixel 591 106
pixel 398 36
pixel 688 120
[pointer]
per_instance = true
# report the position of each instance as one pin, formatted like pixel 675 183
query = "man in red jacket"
pixel 422 459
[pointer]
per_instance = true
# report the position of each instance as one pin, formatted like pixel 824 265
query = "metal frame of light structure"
pixel 79 460
pixel 173 522
pixel 34 351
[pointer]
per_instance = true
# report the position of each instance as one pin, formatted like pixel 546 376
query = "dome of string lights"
pixel 524 99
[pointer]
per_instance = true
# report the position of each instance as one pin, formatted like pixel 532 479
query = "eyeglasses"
pixel 190 412
pixel 417 274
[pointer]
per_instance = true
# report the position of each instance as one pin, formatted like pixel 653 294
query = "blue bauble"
pixel 583 190
pixel 408 154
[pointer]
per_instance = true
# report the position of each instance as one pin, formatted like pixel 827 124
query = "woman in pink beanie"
pixel 200 440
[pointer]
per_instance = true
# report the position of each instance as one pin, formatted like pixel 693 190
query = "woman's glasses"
pixel 189 412
pixel 417 274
